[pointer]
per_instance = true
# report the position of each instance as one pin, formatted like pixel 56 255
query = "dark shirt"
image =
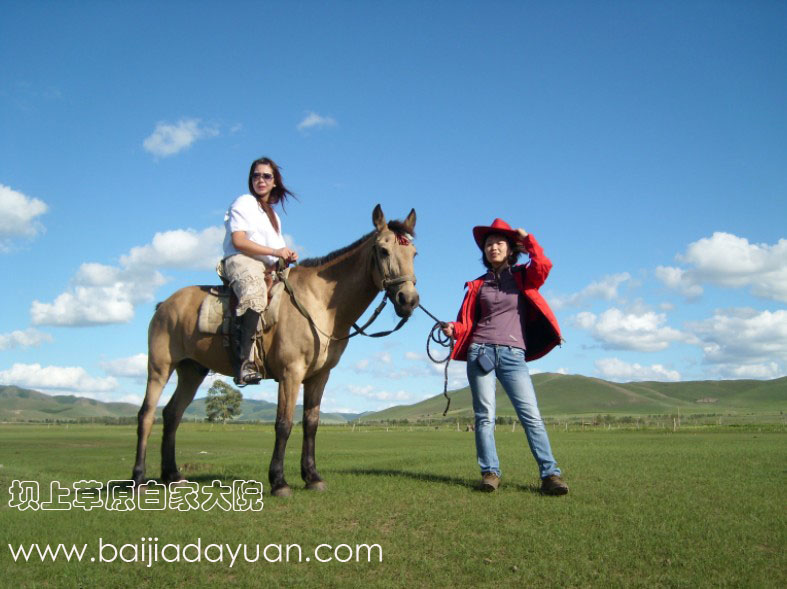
pixel 502 308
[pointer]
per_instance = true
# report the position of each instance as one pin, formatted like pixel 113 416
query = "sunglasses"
pixel 265 176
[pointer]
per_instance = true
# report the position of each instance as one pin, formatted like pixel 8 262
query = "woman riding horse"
pixel 334 290
pixel 253 244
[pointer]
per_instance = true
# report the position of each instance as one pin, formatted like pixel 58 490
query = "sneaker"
pixel 489 482
pixel 553 485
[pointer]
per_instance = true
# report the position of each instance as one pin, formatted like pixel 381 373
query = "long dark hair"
pixel 279 194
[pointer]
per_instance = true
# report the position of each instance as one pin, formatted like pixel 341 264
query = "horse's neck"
pixel 349 288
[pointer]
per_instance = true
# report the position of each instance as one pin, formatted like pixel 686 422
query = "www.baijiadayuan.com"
pixel 149 552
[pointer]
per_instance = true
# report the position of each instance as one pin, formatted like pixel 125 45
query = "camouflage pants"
pixel 247 279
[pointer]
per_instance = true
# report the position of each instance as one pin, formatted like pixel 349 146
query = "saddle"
pixel 217 316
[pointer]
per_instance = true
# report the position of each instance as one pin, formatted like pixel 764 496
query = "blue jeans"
pixel 510 368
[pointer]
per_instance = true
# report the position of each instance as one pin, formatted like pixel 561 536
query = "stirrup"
pixel 248 376
pixel 255 378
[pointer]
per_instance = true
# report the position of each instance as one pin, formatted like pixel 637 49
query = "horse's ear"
pixel 378 218
pixel 409 222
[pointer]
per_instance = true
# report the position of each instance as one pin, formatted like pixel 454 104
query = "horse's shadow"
pixel 432 478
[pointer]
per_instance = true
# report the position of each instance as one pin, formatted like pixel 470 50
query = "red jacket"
pixel 541 330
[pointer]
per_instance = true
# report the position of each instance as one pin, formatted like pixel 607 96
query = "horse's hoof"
pixel 284 491
pixel 316 486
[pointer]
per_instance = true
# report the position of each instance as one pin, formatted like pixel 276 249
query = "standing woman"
pixel 503 323
pixel 253 245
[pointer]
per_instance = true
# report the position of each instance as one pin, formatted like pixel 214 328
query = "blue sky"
pixel 643 144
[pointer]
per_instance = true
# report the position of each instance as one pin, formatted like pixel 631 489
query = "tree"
pixel 223 402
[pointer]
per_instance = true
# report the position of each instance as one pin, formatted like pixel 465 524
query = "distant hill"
pixel 561 394
pixel 18 404
pixel 558 395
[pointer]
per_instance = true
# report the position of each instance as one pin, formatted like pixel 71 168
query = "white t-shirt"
pixel 245 214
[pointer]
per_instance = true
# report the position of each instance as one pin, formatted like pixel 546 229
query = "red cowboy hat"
pixel 498 226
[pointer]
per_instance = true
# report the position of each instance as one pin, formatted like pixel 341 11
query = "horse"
pixel 334 290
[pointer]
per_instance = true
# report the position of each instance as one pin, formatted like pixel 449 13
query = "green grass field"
pixel 702 507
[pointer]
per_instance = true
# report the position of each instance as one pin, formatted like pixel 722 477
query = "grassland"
pixel 701 507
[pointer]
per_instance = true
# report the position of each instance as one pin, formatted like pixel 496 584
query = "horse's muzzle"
pixel 405 301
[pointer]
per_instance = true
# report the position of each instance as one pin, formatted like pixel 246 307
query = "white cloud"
pixel 25 339
pixel 132 366
pixel 677 279
pixel 168 139
pixel 369 392
pixel 616 330
pixel 102 294
pixel 425 368
pixel 744 343
pixel 180 248
pixel 380 365
pixel 98 295
pixel 765 371
pixel 618 370
pixel 313 120
pixel 606 289
pixel 730 261
pixel 69 378
pixel 18 216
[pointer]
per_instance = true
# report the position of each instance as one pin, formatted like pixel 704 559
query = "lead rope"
pixel 436 335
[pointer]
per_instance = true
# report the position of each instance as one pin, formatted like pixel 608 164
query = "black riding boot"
pixel 247 374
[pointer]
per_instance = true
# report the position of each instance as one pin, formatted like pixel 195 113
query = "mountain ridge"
pixel 21 404
pixel 558 394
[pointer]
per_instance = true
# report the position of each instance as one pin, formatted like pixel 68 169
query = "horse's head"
pixel 393 261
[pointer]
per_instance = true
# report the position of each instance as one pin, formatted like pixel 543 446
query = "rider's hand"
pixel 287 255
pixel 448 329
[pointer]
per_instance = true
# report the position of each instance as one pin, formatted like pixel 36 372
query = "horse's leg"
pixel 288 395
pixel 312 395
pixel 159 372
pixel 190 376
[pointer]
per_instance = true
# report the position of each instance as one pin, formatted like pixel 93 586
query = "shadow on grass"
pixel 435 478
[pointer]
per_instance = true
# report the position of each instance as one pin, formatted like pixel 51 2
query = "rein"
pixel 436 335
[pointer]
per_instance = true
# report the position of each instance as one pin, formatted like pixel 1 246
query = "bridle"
pixel 386 282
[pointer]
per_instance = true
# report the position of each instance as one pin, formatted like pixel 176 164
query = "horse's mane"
pixel 396 226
